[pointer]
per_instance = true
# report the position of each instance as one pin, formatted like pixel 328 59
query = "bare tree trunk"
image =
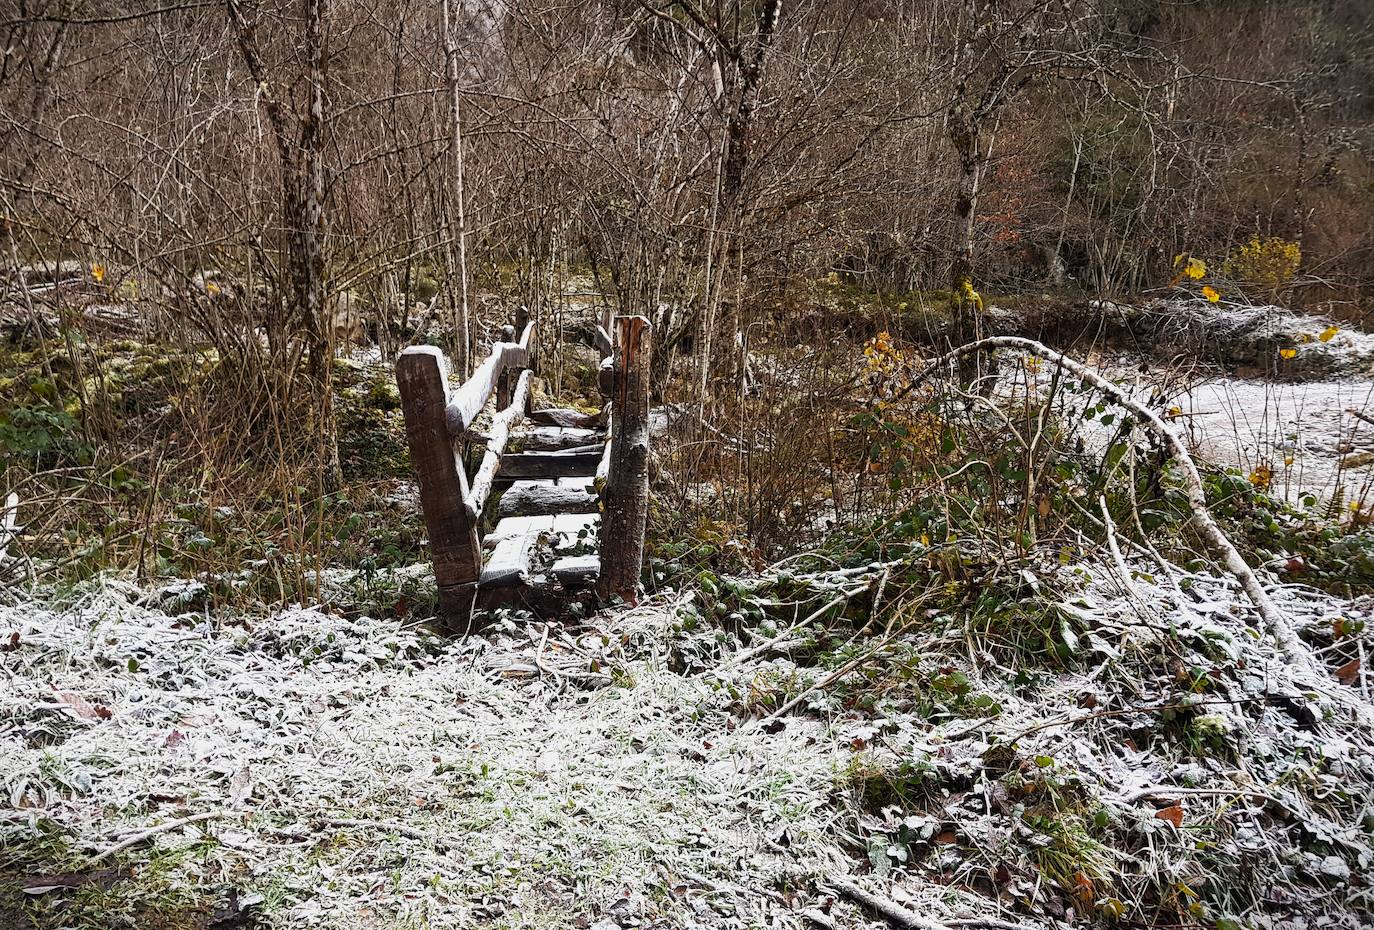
pixel 308 264
pixel 303 193
pixel 728 220
pixel 964 133
pixel 463 325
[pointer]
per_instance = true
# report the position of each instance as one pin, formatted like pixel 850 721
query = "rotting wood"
pixel 537 498
pixel 548 464
pixel 562 416
pixel 555 438
pixel 625 495
pixel 422 378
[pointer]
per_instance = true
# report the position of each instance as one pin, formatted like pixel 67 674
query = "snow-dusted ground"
pixel 365 771
pixel 361 774
pixel 1305 431
pixel 1308 433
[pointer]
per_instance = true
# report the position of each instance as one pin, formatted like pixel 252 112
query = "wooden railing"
pixel 438 420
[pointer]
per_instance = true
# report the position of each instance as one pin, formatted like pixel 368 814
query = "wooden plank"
pixel 496 444
pixel 562 416
pixel 548 464
pixel 511 561
pixel 422 378
pixel 540 498
pixel 516 526
pixel 575 572
pixel 570 526
pixel 555 438
pixel 625 494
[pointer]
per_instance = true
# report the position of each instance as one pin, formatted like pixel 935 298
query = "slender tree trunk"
pixel 728 222
pixel 308 265
pixel 463 325
pixel 965 136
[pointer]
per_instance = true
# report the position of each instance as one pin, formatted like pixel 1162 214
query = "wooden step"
pixel 537 498
pixel 513 544
pixel 562 416
pixel 553 438
pixel 549 464
pixel 577 572
pixel 564 530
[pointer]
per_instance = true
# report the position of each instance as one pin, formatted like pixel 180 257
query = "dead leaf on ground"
pixel 1349 672
pixel 81 707
pixel 1173 813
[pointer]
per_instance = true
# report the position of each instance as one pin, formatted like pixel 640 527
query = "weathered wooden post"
pixel 422 378
pixel 505 384
pixel 625 496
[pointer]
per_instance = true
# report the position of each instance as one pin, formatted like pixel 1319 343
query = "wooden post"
pixel 625 496
pixel 422 377
pixel 504 385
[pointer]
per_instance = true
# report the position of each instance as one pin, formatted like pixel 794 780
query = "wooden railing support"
pixel 422 378
pixel 625 494
pixel 506 381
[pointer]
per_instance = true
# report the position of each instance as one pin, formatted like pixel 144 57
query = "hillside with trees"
pixel 666 463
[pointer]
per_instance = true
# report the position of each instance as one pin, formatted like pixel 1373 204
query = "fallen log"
pixel 1274 621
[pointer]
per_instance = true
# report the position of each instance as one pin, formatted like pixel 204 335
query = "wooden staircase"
pixel 563 495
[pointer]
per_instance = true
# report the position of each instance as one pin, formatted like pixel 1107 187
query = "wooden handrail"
pixel 471 399
pixel 496 444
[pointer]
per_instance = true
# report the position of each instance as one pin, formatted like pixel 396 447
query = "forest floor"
pixel 632 772
pixel 953 735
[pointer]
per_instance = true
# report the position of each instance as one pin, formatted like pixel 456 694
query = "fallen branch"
pixel 1172 791
pixel 1274 620
pixel 899 916
pixel 149 834
pixel 387 825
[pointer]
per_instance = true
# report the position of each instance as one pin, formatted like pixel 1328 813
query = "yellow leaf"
pixel 1211 294
pixel 1196 269
pixel 98 272
pixel 1328 333
pixel 1175 411
pixel 211 288
pixel 1287 353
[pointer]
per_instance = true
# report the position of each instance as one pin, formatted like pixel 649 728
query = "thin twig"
pixel 149 834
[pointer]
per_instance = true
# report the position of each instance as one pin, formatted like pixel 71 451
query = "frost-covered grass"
pixel 1158 762
pixel 1169 766
pixel 367 772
